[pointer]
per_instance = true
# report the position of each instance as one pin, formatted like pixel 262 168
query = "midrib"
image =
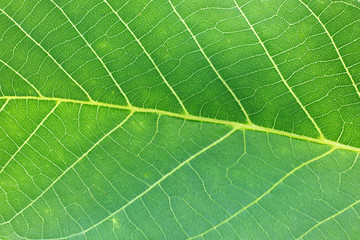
pixel 236 125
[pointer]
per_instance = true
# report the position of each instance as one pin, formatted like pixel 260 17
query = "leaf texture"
pixel 179 119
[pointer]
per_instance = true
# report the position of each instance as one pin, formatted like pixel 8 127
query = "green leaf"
pixel 179 119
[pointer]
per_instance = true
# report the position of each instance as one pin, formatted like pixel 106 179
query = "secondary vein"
pixel 160 180
pixel 211 64
pixel 278 71
pixel 95 53
pixel 267 192
pixel 30 136
pixel 149 57
pixel 71 167
pixel 22 77
pixel 336 48
pixel 47 53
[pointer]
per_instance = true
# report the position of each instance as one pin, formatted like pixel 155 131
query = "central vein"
pixel 189 117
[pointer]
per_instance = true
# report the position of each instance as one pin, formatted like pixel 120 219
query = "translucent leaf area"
pixel 180 119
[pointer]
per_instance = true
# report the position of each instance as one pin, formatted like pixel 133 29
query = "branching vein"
pixel 69 168
pixel 30 136
pixel 149 57
pixel 278 71
pixel 211 64
pixel 236 125
pixel 336 48
pixel 95 53
pixel 267 192
pixel 47 53
pixel 158 182
pixel 22 77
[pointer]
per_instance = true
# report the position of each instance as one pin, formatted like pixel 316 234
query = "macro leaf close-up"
pixel 180 119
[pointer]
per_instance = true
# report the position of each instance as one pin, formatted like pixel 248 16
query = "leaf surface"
pixel 179 119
